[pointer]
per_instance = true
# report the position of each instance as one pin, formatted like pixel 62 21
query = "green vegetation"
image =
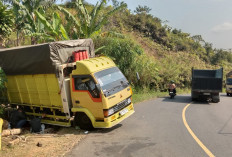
pixel 6 22
pixel 146 94
pixel 3 96
pixel 87 25
pixel 137 41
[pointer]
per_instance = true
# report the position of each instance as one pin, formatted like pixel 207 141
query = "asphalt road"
pixel 157 130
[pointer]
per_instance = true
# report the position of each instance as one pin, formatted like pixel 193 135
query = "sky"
pixel 212 19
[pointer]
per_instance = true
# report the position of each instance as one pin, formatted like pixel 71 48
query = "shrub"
pixel 3 80
pixel 130 59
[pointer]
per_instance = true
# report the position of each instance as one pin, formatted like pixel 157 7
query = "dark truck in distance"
pixel 206 84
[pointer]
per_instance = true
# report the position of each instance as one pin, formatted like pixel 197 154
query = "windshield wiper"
pixel 112 89
pixel 123 84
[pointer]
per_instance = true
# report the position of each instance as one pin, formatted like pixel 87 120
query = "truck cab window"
pixel 92 89
pixel 88 84
pixel 79 85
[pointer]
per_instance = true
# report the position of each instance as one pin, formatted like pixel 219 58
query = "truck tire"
pixel 215 97
pixel 216 100
pixel 83 121
pixel 227 94
pixel 194 99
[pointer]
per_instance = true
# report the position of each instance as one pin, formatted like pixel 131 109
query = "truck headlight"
pixel 108 112
pixel 128 100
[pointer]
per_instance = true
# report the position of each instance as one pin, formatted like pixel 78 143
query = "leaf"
pixel 56 21
pixel 84 12
pixel 104 20
pixel 46 23
pixel 63 32
pixel 28 14
pixel 94 15
pixel 69 16
pixel 99 49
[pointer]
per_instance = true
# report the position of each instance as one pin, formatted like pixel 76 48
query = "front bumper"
pixel 115 118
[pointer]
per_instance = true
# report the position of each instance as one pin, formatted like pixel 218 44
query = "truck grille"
pixel 121 105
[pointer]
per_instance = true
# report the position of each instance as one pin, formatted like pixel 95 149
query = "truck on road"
pixel 65 81
pixel 229 83
pixel 206 84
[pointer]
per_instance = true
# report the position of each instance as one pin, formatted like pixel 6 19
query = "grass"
pixel 142 95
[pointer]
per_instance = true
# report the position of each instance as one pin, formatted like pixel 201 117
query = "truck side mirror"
pixel 137 75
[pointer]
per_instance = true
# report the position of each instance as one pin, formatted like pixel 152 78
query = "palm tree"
pixel 88 25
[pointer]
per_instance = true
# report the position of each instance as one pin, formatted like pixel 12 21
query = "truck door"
pixel 85 94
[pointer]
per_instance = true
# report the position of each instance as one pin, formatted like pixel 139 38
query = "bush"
pixel 3 95
pixel 3 80
pixel 130 59
pixel 177 67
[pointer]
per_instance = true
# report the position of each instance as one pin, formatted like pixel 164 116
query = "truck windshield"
pixel 111 81
pixel 229 81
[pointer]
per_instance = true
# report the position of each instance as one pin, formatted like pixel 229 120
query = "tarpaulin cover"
pixel 43 58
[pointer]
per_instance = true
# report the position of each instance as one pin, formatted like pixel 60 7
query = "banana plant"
pixel 6 21
pixel 88 25
pixel 26 21
pixel 55 30
pixel 26 14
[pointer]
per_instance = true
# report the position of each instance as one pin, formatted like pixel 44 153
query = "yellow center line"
pixel 207 151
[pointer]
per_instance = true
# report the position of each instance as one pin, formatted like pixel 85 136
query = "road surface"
pixel 158 129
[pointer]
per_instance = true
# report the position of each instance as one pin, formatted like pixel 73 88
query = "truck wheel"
pixel 194 99
pixel 83 121
pixel 216 100
pixel 227 94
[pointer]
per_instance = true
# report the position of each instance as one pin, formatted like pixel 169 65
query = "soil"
pixel 55 143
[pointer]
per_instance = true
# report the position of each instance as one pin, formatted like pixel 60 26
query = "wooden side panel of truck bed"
pixel 37 90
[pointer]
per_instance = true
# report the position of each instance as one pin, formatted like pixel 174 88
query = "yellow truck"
pixel 229 83
pixel 66 82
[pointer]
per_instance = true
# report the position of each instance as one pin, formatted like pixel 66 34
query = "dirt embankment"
pixel 53 144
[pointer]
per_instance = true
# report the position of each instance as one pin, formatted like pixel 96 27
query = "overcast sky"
pixel 210 18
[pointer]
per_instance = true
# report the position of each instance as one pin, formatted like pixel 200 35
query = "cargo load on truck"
pixel 206 84
pixel 229 84
pixel 43 58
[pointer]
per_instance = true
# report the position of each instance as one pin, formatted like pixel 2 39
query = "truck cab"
pixel 100 93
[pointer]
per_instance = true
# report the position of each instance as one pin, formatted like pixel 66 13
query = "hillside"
pixel 136 40
pixel 168 54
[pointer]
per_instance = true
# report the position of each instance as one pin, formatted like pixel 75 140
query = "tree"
pixel 209 49
pixel 88 25
pixel 198 38
pixel 142 9
pixel 25 20
pixel 6 21
pixel 221 56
